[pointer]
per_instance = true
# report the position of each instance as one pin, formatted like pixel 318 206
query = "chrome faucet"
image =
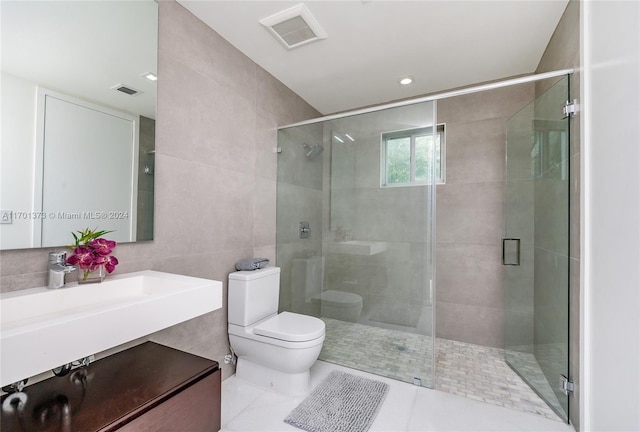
pixel 58 268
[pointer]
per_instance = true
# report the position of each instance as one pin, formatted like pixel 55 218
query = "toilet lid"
pixel 292 327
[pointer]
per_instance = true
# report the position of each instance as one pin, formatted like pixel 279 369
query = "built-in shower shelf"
pixel 357 247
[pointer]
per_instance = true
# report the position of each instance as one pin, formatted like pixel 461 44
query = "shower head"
pixel 313 151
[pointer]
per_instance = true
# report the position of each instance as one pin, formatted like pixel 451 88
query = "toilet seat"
pixel 292 327
pixel 249 333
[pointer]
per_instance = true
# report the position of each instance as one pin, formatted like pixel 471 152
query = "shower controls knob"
pixel 305 231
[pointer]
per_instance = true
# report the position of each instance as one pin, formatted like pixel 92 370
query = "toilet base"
pixel 290 384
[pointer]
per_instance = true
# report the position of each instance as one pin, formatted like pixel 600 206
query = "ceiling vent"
pixel 294 27
pixel 126 89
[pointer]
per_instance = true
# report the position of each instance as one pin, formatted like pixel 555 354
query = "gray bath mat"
pixel 341 403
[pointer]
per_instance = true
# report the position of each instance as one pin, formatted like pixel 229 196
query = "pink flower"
pixel 83 257
pixel 93 255
pixel 102 246
pixel 111 263
pixel 98 260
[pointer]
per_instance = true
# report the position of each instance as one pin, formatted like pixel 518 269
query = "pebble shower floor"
pixel 473 371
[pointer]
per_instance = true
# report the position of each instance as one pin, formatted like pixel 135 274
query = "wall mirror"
pixel 77 145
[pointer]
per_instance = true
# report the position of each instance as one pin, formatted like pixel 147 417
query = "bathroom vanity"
pixel 149 388
pixel 42 329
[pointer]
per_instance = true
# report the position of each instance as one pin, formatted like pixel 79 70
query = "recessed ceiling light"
pixel 350 137
pixel 338 138
pixel 150 76
pixel 406 80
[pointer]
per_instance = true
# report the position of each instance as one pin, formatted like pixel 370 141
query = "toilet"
pixel 274 350
pixel 307 282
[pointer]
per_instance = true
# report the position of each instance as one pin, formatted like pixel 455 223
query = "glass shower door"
pixel 364 186
pixel 536 245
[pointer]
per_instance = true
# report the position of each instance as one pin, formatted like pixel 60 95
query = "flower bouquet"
pixel 92 255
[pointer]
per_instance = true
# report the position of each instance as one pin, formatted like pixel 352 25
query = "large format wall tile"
pixel 475 152
pixel 211 123
pixel 216 209
pixel 264 212
pixel 266 141
pixel 191 42
pixel 470 213
pixel 472 324
pixel 470 274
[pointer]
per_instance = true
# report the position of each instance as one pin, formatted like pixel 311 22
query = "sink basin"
pixel 358 247
pixel 42 329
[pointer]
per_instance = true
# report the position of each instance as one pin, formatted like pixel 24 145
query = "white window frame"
pixel 412 134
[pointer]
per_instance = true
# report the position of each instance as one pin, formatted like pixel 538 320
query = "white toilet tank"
pixel 253 295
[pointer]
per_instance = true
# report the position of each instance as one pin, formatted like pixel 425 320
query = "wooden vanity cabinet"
pixel 147 388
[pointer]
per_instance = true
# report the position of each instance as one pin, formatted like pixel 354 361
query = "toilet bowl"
pixel 274 350
pixel 341 305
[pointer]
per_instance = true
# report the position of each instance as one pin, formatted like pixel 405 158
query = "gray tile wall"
pixel 470 215
pixel 563 51
pixel 215 187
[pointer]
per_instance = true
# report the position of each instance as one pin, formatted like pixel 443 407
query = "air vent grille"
pixel 126 89
pixel 294 27
pixel 294 31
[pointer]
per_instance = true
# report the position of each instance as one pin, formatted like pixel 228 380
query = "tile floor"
pixel 481 373
pixel 473 371
pixel 246 407
pixel 392 353
pixel 527 364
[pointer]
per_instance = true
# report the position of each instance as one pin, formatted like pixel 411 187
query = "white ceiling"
pixel 371 44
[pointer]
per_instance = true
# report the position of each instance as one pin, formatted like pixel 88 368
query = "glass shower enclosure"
pixel 355 229
pixel 536 245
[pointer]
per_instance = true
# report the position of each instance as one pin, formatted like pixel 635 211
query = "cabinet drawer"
pixel 195 409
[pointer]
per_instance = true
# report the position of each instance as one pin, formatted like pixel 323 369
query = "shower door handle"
pixel 511 251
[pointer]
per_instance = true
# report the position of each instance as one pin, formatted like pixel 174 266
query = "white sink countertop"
pixel 42 328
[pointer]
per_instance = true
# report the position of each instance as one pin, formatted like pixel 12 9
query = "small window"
pixel 406 157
